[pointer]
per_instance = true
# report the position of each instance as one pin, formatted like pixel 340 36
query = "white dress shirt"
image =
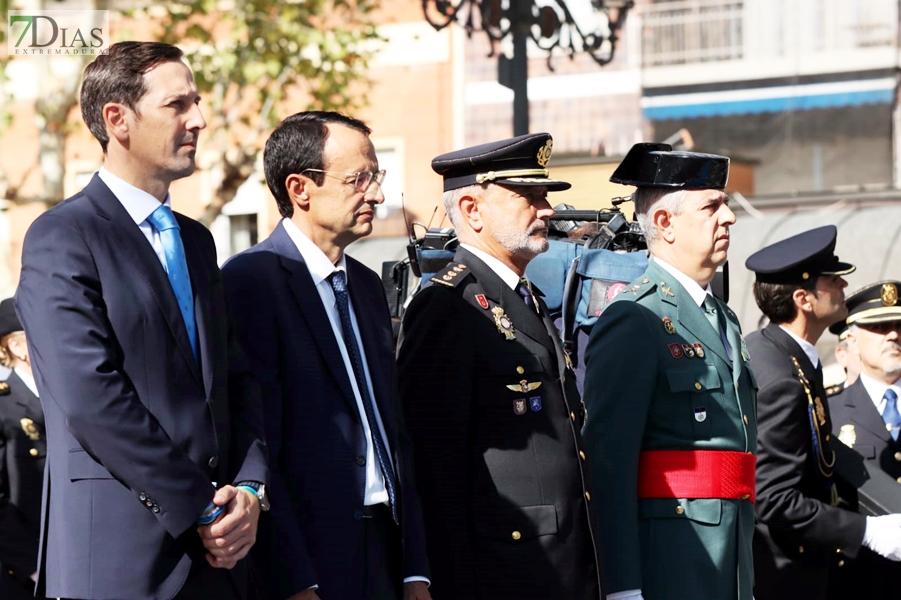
pixel 500 269
pixel 320 268
pixel 28 380
pixel 809 349
pixel 697 293
pixel 876 390
pixel 139 205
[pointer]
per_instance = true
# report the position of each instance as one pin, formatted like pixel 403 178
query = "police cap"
pixel 519 161
pixel 658 165
pixel 9 322
pixel 799 258
pixel 875 303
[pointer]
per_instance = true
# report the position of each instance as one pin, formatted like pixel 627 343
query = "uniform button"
pixel 897 455
pixel 828 437
pixel 898 480
pixel 588 496
pixel 838 550
pixel 358 515
pixel 800 549
pixel 520 370
pixel 572 416
pixel 516 535
pixel 11 573
pixel 697 385
pixel 361 460
pixel 679 510
pixel 746 497
pixel 841 563
pixel 213 462
pixel 33 452
pixel 582 454
pixel 745 419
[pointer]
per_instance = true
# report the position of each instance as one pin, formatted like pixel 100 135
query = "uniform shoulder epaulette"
pixel 4 389
pixel 637 289
pixel 835 389
pixel 451 275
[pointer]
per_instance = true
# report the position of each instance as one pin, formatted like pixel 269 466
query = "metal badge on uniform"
pixel 482 300
pixel 668 325
pixel 689 351
pixel 699 350
pixel 524 386
pixel 535 403
pixel 519 406
pixel 700 414
pixel 847 435
pixel 746 356
pixel 667 291
pixel 30 429
pixel 676 350
pixel 4 388
pixel 821 412
pixel 503 322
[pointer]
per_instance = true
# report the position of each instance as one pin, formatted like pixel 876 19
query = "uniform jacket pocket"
pixel 708 511
pixel 519 523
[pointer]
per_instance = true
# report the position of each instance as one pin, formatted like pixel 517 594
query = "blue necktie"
pixel 890 414
pixel 525 291
pixel 339 285
pixel 163 220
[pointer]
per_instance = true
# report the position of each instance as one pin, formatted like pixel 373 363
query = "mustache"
pixel 538 227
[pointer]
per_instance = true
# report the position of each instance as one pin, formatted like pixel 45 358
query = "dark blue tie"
pixel 339 285
pixel 163 220
pixel 890 414
pixel 525 291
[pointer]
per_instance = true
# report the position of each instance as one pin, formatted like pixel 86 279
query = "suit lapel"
pixel 147 265
pixel 865 412
pixel 688 314
pixel 367 308
pixel 312 311
pixel 201 287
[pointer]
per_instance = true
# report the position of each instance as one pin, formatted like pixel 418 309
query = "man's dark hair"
pixel 119 77
pixel 775 299
pixel 296 145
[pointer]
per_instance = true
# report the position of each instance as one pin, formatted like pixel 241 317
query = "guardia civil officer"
pixel 865 416
pixel 489 396
pixel 801 533
pixel 23 449
pixel 671 429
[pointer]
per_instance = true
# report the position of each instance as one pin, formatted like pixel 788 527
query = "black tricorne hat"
pixel 9 321
pixel 874 303
pixel 799 258
pixel 519 161
pixel 658 165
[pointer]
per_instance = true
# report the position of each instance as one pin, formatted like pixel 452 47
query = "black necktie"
pixel 339 285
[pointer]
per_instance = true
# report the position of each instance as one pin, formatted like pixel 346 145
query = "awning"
pixel 770 99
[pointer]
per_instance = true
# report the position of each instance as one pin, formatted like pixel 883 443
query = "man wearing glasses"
pixel 345 520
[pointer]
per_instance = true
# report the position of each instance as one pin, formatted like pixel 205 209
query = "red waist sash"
pixel 697 474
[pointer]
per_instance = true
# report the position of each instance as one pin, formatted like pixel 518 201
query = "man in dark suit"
pixel 23 450
pixel 865 416
pixel 148 403
pixel 490 397
pixel 801 533
pixel 671 426
pixel 345 522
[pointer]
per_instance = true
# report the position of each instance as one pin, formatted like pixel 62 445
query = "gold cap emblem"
pixel 889 294
pixel 544 154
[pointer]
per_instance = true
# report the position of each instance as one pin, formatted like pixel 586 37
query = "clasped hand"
pixel 229 538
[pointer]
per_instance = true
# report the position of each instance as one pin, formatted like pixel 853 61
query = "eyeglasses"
pixel 361 181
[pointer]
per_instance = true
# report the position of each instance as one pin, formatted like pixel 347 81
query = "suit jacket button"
pixel 33 452
pixel 142 497
pixel 155 508
pixel 361 460
pixel 358 515
pixel 213 462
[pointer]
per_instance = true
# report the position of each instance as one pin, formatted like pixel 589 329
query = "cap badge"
pixel 889 294
pixel 847 435
pixel 30 429
pixel 544 154
pixel 503 322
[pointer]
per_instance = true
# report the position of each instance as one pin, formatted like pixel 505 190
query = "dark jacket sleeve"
pixel 434 373
pixel 783 445
pixel 257 330
pixel 79 365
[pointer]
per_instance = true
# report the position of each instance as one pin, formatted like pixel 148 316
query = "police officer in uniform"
pixel 489 396
pixel 849 362
pixel 671 423
pixel 801 533
pixel 23 448
pixel 865 417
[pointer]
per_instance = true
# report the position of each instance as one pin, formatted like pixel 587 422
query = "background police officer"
pixel 489 398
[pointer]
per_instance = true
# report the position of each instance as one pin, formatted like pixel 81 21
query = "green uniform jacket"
pixel 645 391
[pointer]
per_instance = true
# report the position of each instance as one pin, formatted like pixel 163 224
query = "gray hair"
pixel 451 200
pixel 649 199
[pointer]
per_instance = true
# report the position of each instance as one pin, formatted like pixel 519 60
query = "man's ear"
pixel 298 188
pixel 469 209
pixel 662 220
pixel 115 118
pixel 801 298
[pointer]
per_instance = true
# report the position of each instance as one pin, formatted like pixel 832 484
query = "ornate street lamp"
pixel 567 26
